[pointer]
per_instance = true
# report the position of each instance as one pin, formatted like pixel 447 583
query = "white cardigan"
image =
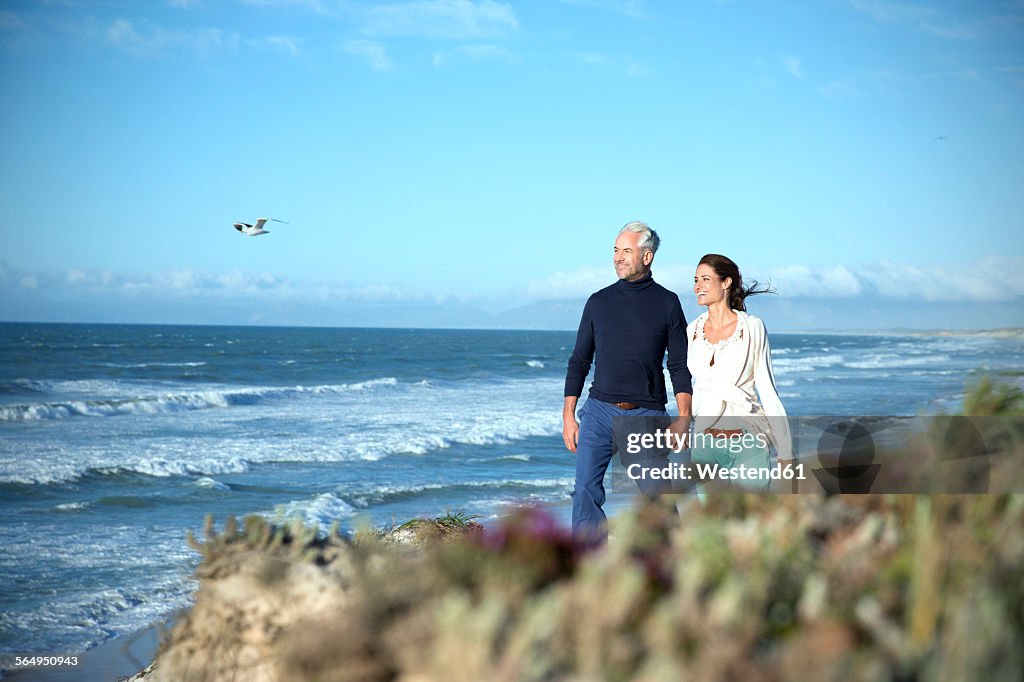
pixel 743 365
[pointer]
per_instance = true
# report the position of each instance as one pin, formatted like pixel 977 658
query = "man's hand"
pixel 570 427
pixel 680 426
pixel 679 433
pixel 570 433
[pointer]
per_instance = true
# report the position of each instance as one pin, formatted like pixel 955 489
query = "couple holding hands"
pixel 719 365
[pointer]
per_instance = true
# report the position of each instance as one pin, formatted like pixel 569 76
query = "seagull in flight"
pixel 257 229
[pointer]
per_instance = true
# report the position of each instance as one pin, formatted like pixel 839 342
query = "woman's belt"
pixel 727 433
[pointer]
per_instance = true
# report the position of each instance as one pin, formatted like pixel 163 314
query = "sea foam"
pixel 174 402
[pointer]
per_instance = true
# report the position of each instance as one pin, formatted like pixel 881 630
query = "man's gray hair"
pixel 649 239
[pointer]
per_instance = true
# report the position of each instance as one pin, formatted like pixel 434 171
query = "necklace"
pixel 724 341
pixel 717 330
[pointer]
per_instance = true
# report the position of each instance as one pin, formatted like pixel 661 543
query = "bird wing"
pixel 260 222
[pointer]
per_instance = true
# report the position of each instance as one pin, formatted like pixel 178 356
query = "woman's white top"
pixel 740 383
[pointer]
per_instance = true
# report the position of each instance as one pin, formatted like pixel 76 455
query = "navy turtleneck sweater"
pixel 626 328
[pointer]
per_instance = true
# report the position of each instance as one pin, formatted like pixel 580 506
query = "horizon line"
pixel 827 331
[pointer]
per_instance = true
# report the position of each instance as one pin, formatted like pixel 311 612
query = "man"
pixel 627 327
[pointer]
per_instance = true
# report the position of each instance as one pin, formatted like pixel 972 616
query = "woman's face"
pixel 708 286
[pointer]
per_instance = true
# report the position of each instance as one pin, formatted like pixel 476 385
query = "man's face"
pixel 631 262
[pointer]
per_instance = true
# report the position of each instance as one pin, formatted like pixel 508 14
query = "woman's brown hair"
pixel 724 267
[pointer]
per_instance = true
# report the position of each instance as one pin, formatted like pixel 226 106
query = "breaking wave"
pixel 175 402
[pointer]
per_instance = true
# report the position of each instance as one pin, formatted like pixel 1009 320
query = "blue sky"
pixel 446 161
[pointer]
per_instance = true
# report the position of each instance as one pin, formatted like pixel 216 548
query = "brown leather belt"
pixel 728 433
pixel 626 406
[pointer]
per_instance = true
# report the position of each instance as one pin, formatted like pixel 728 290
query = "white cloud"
pixel 635 69
pixel 76 276
pixel 287 44
pixel 620 64
pixel 475 53
pixel 315 6
pixel 792 65
pixel 860 83
pixel 375 54
pixel 891 12
pixel 588 57
pixel 207 41
pixel 185 283
pixel 11 21
pixel 990 279
pixel 483 52
pixel 15 31
pixel 579 283
pixel 452 19
pixel 122 34
pixel 152 40
pixel 582 282
pixel 382 293
pixel 935 21
pixel 839 279
pixel 89 279
pixel 475 21
pixel 182 280
pixel 821 282
pixel 839 89
pixel 993 279
pixel 630 8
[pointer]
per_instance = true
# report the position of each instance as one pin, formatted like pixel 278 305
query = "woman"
pixel 733 387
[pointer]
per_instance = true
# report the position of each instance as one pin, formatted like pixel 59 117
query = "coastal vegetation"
pixel 752 587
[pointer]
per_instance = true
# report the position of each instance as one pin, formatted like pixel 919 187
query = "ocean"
pixel 117 440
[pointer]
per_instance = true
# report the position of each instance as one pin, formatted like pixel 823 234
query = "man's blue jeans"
pixel 598 441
